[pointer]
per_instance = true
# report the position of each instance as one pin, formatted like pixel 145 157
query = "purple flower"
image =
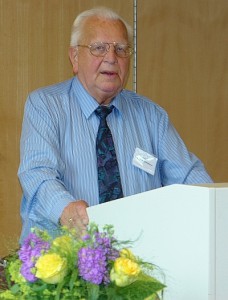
pixel 86 237
pixel 27 273
pixel 94 260
pixel 92 264
pixel 105 242
pixel 113 254
pixel 29 252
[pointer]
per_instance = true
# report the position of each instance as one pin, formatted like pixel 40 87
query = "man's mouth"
pixel 108 73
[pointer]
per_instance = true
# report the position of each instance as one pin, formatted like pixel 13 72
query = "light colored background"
pixel 182 64
pixel 192 255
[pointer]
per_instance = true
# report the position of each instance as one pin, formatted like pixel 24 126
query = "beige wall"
pixel 182 64
pixel 34 37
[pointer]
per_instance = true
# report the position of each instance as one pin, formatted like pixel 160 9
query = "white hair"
pixel 100 12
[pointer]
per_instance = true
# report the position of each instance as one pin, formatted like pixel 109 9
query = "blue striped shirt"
pixel 58 153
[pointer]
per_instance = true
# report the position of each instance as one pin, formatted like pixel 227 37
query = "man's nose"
pixel 110 55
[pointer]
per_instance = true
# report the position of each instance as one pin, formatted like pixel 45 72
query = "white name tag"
pixel 144 161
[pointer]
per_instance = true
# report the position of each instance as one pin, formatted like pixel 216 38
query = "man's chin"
pixel 110 89
pixel 106 95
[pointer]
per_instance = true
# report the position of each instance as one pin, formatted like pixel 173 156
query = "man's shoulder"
pixel 53 90
pixel 137 100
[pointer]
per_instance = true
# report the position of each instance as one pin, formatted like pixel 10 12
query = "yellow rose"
pixel 51 268
pixel 127 253
pixel 64 243
pixel 124 272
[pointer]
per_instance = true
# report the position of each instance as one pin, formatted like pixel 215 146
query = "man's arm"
pixel 41 169
pixel 178 165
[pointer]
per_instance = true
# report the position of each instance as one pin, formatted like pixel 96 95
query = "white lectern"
pixel 182 229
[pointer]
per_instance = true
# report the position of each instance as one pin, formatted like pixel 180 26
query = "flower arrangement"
pixel 96 266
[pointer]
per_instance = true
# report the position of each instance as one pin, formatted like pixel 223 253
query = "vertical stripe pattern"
pixel 58 150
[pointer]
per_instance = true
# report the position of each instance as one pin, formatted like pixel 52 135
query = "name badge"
pixel 144 161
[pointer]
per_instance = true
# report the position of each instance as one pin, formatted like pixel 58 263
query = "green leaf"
pixel 73 278
pixel 139 290
pixel 153 297
pixel 93 291
pixel 59 289
pixel 38 287
pixel 15 288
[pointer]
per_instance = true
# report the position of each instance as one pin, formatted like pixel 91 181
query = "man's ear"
pixel 73 55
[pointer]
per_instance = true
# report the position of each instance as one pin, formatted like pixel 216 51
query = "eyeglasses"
pixel 100 49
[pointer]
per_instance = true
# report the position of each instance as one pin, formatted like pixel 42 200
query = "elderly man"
pixel 87 140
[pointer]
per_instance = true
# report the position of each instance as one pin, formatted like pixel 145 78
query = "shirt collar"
pixel 87 103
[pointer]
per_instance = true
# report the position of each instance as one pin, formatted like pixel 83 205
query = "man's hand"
pixel 75 215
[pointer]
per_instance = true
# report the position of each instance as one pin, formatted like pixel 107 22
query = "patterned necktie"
pixel 108 172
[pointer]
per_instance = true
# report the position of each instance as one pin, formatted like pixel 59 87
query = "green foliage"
pixel 73 286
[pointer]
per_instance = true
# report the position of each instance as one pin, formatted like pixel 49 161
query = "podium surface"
pixel 180 228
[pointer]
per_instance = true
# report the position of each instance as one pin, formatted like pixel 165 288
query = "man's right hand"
pixel 75 215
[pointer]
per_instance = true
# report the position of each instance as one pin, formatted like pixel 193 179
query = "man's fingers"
pixel 75 215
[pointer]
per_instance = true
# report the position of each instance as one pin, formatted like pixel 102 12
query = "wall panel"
pixel 183 65
pixel 34 39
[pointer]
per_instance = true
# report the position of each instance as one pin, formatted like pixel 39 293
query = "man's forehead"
pixel 95 26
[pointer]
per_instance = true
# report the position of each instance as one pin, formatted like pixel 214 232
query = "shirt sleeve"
pixel 41 169
pixel 177 164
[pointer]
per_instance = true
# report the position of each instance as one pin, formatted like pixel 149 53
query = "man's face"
pixel 103 77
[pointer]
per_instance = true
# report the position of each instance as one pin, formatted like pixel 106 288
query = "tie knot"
pixel 103 111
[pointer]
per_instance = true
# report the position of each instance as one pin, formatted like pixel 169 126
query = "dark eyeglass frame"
pixel 126 51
